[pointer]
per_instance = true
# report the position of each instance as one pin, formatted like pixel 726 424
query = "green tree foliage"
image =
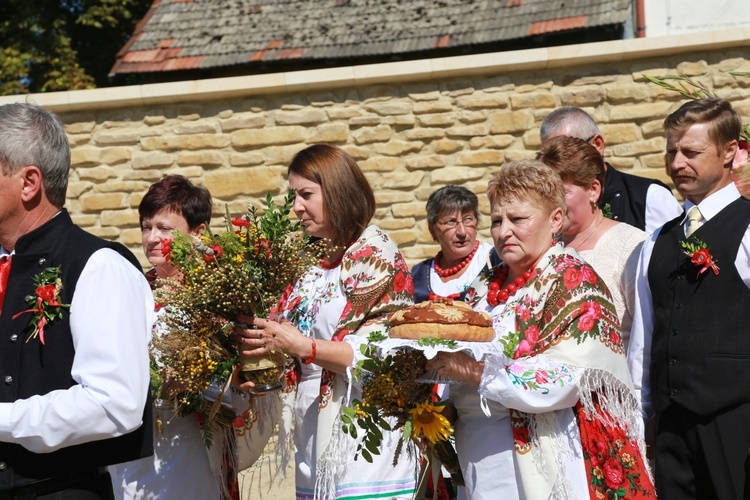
pixel 52 45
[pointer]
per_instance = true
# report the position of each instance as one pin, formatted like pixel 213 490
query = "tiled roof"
pixel 207 34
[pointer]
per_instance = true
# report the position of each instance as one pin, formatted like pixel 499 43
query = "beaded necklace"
pixel 444 273
pixel 497 295
pixel 332 265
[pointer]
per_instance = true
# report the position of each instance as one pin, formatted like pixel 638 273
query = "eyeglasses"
pixel 589 139
pixel 467 222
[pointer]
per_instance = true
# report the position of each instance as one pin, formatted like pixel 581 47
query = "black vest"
pixel 626 196
pixel 30 368
pixel 700 350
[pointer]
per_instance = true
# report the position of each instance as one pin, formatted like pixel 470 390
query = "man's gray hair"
pixel 30 135
pixel 569 121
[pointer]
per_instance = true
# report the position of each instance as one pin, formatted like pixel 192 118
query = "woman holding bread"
pixel 549 411
pixel 452 218
pixel 327 315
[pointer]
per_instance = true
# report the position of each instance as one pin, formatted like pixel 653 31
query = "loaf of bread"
pixel 447 319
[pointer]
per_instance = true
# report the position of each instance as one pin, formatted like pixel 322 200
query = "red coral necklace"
pixel 497 295
pixel 444 273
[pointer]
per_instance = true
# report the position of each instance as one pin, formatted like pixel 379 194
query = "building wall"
pixel 412 128
pixel 671 17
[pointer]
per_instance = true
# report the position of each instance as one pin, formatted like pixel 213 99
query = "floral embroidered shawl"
pixel 566 314
pixel 376 282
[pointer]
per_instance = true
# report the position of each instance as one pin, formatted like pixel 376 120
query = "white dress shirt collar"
pixel 714 203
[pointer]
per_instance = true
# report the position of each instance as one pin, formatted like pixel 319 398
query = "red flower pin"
pixel 699 255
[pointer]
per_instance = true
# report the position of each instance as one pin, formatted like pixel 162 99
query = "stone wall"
pixel 410 136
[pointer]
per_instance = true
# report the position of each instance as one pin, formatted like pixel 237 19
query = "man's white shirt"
pixel 111 316
pixel 639 349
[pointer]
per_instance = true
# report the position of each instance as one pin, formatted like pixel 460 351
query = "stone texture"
pixel 398 148
pixel 153 160
pixel 113 156
pixel 301 117
pixel 479 158
pixel 619 133
pixel 639 111
pixel 437 120
pixel 508 122
pixel 85 156
pixel 422 161
pixel 240 122
pixel 402 180
pixel 98 174
pixel 420 134
pixel 368 135
pixel 267 136
pixel 204 158
pixel 582 97
pixel 467 131
pixel 413 209
pixel 243 181
pixel 389 108
pixel 455 175
pixel 246 159
pixel 483 101
pixel 425 107
pixel 79 128
pixel 446 146
pixel 640 147
pixel 380 164
pixel 96 202
pixel 189 142
pixel 533 100
pixel 119 218
pixel 330 132
pixel 408 137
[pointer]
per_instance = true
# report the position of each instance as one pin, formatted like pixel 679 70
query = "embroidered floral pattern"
pixel 612 467
pixel 538 379
pixel 564 314
pixel 376 282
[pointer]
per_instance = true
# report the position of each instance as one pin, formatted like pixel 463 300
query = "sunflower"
pixel 427 421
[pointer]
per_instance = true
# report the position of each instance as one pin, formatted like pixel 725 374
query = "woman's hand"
pixel 457 366
pixel 267 336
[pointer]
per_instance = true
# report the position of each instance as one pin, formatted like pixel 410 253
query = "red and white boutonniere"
pixel 45 303
pixel 699 255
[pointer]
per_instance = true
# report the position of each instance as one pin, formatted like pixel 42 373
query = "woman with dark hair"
pixel 452 218
pixel 610 247
pixel 328 315
pixel 171 205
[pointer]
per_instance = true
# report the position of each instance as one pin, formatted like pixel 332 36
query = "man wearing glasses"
pixel 644 203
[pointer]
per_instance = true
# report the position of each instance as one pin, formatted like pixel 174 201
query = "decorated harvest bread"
pixel 451 320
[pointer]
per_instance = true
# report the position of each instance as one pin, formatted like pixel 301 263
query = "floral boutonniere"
pixel 45 303
pixel 699 255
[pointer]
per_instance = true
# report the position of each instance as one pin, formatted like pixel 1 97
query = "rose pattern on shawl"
pixel 595 317
pixel 566 317
pixel 372 292
pixel 612 468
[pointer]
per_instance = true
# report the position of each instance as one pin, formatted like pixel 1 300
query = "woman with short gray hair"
pixel 452 218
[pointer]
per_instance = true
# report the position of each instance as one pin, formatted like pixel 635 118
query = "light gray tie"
pixel 694 218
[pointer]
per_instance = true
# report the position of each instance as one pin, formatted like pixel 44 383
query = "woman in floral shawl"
pixel 328 314
pixel 550 411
